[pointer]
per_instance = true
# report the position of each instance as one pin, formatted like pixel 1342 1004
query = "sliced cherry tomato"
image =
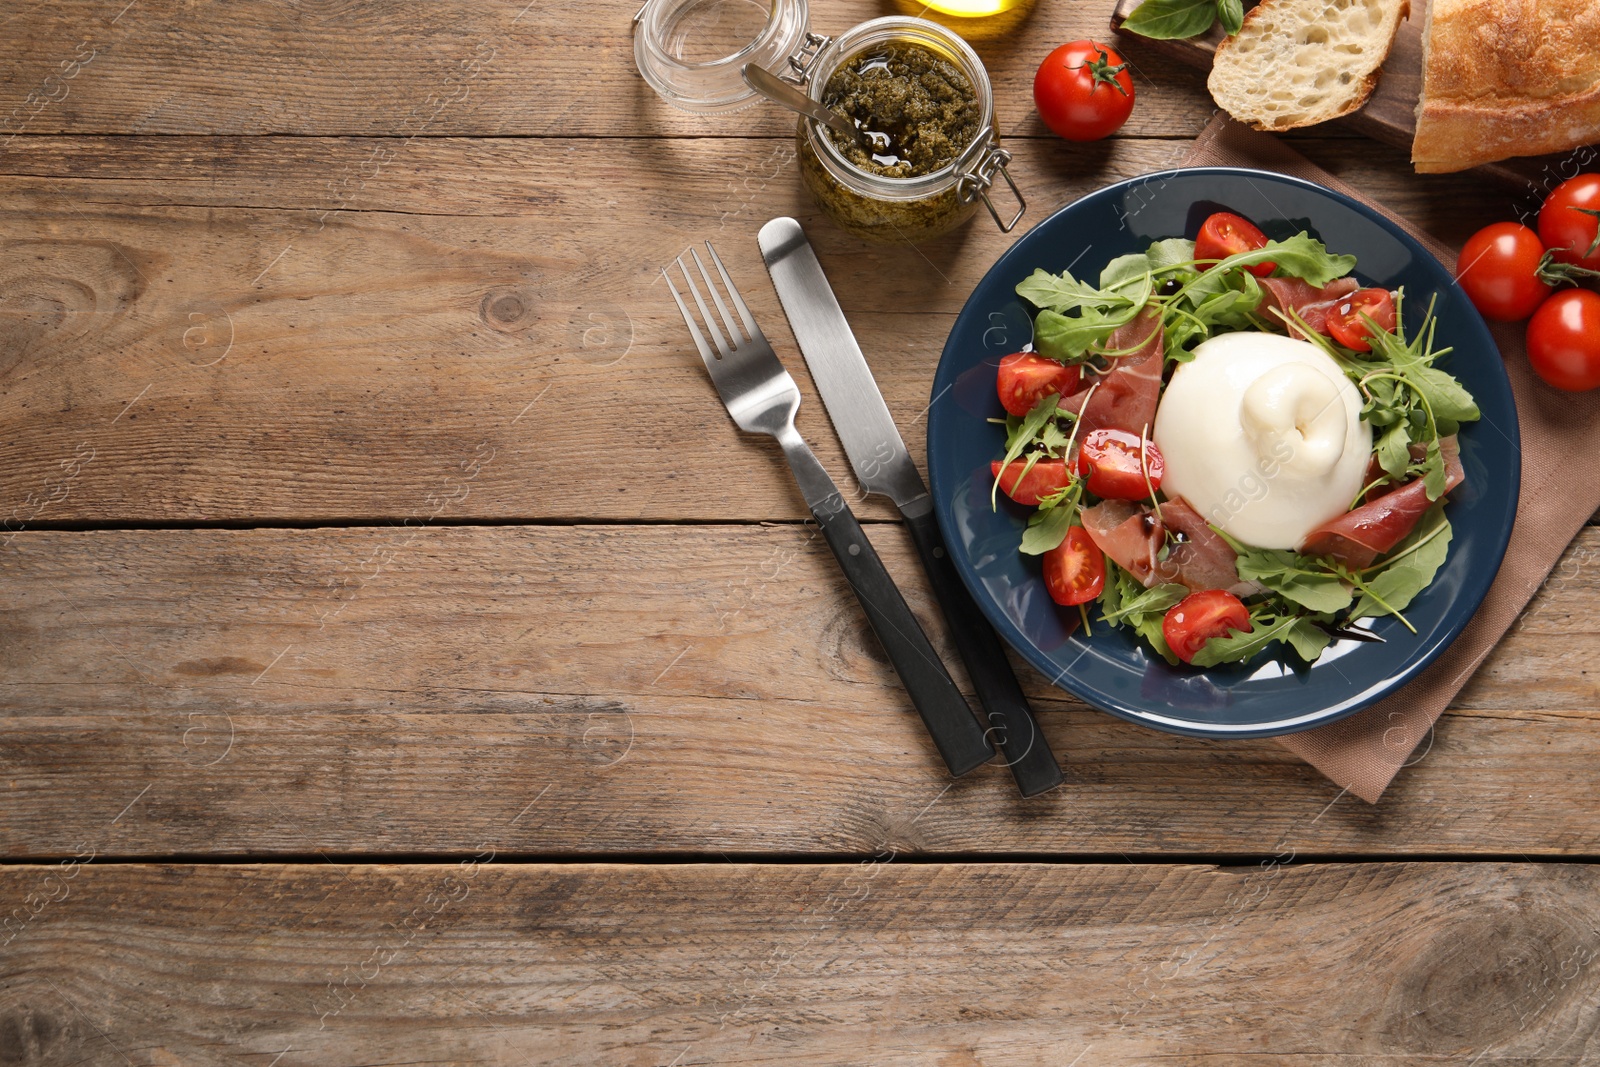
pixel 1499 269
pixel 1025 379
pixel 1564 340
pixel 1199 617
pixel 1075 570
pixel 1569 222
pixel 1083 91
pixel 1115 466
pixel 1226 234
pixel 1046 477
pixel 1346 325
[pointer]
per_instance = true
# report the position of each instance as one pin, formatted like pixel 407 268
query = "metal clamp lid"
pixel 975 184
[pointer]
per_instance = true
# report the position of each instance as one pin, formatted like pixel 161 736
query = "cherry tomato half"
pixel 1075 570
pixel 1025 379
pixel 1564 340
pixel 1199 617
pixel 1046 477
pixel 1570 219
pixel 1115 463
pixel 1346 325
pixel 1083 91
pixel 1226 234
pixel 1499 270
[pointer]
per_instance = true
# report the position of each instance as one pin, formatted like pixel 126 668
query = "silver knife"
pixel 883 465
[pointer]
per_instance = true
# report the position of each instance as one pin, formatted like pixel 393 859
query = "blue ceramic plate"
pixel 1272 694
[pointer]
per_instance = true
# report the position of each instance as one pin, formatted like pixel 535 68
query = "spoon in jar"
pixel 781 92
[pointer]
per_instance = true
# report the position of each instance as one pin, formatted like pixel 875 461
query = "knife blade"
pixel 883 465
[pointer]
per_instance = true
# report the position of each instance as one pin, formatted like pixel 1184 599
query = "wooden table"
pixel 405 660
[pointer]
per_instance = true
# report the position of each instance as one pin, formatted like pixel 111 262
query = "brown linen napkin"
pixel 1560 490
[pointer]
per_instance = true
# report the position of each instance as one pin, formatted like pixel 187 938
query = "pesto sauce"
pixel 917 107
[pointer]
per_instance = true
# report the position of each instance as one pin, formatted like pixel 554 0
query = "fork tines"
pixel 734 341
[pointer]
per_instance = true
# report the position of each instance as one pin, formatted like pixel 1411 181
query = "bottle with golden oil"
pixel 972 8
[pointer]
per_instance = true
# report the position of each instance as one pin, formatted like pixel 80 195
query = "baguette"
pixel 1300 62
pixel 1504 78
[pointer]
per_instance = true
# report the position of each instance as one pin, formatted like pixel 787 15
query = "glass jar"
pixel 692 52
pixel 903 209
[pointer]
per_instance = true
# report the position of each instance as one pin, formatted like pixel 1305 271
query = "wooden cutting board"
pixel 1390 114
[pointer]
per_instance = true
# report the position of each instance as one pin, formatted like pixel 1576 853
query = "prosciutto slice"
pixel 1201 560
pixel 1311 303
pixel 1133 535
pixel 1361 535
pixel 1130 534
pixel 1124 398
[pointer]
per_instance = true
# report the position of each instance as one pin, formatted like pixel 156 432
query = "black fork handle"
pixel 944 710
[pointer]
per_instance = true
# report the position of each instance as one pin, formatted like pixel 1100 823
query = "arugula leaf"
pixel 1412 566
pixel 1308 639
pixel 1240 645
pixel 1018 439
pixel 1125 602
pixel 1062 292
pixel 1394 454
pixel 1124 269
pixel 1231 14
pixel 1156 600
pixel 1047 528
pixel 1300 256
pixel 1068 338
pixel 1165 20
pixel 1294 577
pixel 1433 473
pixel 1170 253
pixel 1448 399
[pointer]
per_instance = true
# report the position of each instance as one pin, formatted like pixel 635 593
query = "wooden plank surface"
pixel 662 688
pixel 203 330
pixel 880 962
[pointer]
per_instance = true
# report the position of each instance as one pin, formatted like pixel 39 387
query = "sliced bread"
pixel 1300 62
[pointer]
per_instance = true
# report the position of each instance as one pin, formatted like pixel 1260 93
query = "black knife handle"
pixel 1011 720
pixel 955 730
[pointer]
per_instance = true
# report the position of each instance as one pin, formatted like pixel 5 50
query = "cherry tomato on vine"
pixel 1117 467
pixel 1226 234
pixel 1025 379
pixel 1199 617
pixel 1499 269
pixel 1083 91
pixel 1346 325
pixel 1564 340
pixel 1570 219
pixel 1075 570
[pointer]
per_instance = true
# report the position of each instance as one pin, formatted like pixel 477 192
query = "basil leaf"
pixel 1046 530
pixel 1231 14
pixel 1294 577
pixel 1166 20
pixel 1062 293
pixel 1414 563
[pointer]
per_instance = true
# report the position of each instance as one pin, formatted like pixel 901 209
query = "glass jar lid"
pixel 691 51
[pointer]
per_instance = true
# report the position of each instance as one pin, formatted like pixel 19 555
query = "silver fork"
pixel 762 398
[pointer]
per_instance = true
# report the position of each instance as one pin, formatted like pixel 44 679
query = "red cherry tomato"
pixel 1346 325
pixel 1115 463
pixel 1199 617
pixel 1226 234
pixel 1564 340
pixel 1499 270
pixel 1075 570
pixel 1083 91
pixel 1046 477
pixel 1025 379
pixel 1570 219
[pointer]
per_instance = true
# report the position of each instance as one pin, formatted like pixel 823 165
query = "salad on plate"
pixel 1231 445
